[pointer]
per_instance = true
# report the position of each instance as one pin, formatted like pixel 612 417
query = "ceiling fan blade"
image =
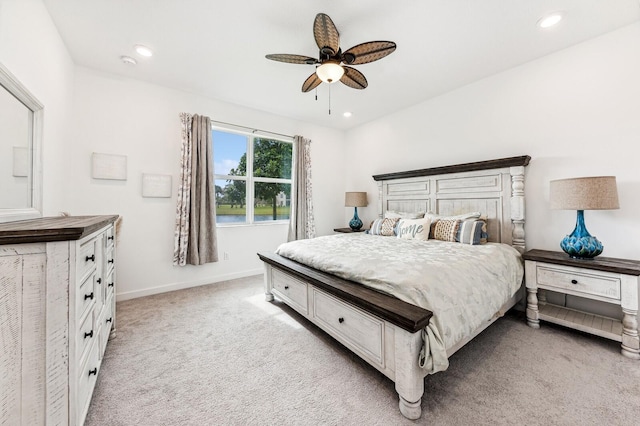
pixel 326 34
pixel 368 52
pixel 353 78
pixel 292 59
pixel 311 83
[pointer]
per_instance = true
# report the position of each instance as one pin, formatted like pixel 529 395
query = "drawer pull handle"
pixel 286 287
pixel 110 238
pixel 90 258
pixel 89 334
pixel 109 320
pixel 99 280
pixel 88 296
pixel 110 285
pixel 574 281
pixel 340 320
pixel 110 261
pixel 94 371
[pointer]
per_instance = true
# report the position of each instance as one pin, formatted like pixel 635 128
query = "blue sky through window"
pixel 227 150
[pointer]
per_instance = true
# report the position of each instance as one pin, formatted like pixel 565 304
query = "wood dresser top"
pixel 47 229
pixel 607 264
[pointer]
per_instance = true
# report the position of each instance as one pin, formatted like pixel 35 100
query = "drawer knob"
pixel 574 281
pixel 88 296
pixel 286 287
pixel 89 334
pixel 109 320
pixel 90 258
pixel 110 261
pixel 99 280
pixel 110 238
pixel 340 320
pixel 94 371
pixel 110 285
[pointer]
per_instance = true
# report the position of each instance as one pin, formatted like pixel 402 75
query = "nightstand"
pixel 605 279
pixel 347 230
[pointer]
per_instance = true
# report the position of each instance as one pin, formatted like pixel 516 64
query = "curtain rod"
pixel 253 130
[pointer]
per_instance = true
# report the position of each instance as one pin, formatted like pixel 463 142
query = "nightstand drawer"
pixel 578 281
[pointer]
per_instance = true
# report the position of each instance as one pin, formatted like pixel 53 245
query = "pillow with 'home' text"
pixel 413 229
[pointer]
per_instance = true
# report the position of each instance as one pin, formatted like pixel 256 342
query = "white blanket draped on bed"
pixel 463 285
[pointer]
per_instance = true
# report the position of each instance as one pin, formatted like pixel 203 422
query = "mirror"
pixel 20 150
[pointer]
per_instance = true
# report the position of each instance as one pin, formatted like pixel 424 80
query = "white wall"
pixel 32 50
pixel 576 113
pixel 123 116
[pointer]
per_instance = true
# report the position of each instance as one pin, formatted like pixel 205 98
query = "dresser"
pixel 604 279
pixel 57 312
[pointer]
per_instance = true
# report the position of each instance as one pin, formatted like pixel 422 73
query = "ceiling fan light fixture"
pixel 330 72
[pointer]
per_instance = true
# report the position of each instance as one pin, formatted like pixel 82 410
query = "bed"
pixel 389 327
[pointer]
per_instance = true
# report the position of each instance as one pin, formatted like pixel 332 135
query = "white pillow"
pixel 471 215
pixel 414 229
pixel 392 214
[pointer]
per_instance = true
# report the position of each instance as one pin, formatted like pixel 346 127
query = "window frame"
pixel 249 178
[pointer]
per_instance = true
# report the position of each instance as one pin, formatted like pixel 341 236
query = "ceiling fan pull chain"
pixel 329 99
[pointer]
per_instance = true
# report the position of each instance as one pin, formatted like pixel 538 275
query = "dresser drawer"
pixel 109 237
pixel 86 295
pixel 86 382
pixel 110 261
pixel 291 290
pixel 86 335
pixel 350 325
pixel 106 321
pixel 576 281
pixel 87 258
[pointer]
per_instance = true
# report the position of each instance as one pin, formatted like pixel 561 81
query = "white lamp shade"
pixel 330 72
pixel 355 199
pixel 585 193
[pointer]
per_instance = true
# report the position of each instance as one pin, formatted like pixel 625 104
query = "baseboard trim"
pixel 179 286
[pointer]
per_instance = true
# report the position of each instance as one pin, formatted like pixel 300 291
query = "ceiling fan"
pixel 333 62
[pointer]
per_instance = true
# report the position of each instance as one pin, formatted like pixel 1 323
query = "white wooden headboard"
pixel 494 187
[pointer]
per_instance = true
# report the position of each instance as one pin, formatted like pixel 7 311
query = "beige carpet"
pixel 221 355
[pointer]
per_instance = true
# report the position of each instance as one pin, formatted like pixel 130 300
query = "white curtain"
pixel 195 233
pixel 301 223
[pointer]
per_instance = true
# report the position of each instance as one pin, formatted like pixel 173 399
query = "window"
pixel 252 177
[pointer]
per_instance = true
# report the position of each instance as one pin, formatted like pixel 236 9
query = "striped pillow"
pixel 385 227
pixel 470 231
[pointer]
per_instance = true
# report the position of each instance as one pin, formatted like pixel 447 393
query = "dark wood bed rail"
pixel 402 314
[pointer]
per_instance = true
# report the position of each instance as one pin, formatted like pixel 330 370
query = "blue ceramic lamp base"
pixel 355 224
pixel 580 244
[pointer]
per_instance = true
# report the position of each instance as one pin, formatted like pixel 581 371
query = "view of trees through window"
pixel 252 177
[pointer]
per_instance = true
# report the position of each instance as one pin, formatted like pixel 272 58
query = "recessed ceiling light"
pixel 550 20
pixel 347 114
pixel 128 60
pixel 143 50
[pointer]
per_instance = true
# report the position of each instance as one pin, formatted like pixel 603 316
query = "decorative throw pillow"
pixel 384 227
pixel 436 217
pixel 403 215
pixel 413 229
pixel 470 231
pixel 446 229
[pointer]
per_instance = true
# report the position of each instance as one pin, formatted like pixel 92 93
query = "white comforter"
pixel 463 285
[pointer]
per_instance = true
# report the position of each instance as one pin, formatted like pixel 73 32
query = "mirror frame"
pixel 13 86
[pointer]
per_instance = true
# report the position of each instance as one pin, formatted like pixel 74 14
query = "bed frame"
pixel 382 330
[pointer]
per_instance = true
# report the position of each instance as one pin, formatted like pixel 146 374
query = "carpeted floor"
pixel 221 355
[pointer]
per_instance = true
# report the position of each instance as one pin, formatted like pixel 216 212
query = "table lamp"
pixel 355 200
pixel 585 193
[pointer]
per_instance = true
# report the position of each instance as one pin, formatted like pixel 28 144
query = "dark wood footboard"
pixel 402 314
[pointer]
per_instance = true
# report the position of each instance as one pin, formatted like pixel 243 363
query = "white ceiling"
pixel 216 48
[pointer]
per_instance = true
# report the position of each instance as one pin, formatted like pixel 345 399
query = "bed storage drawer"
pixel 291 290
pixel 577 282
pixel 354 328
